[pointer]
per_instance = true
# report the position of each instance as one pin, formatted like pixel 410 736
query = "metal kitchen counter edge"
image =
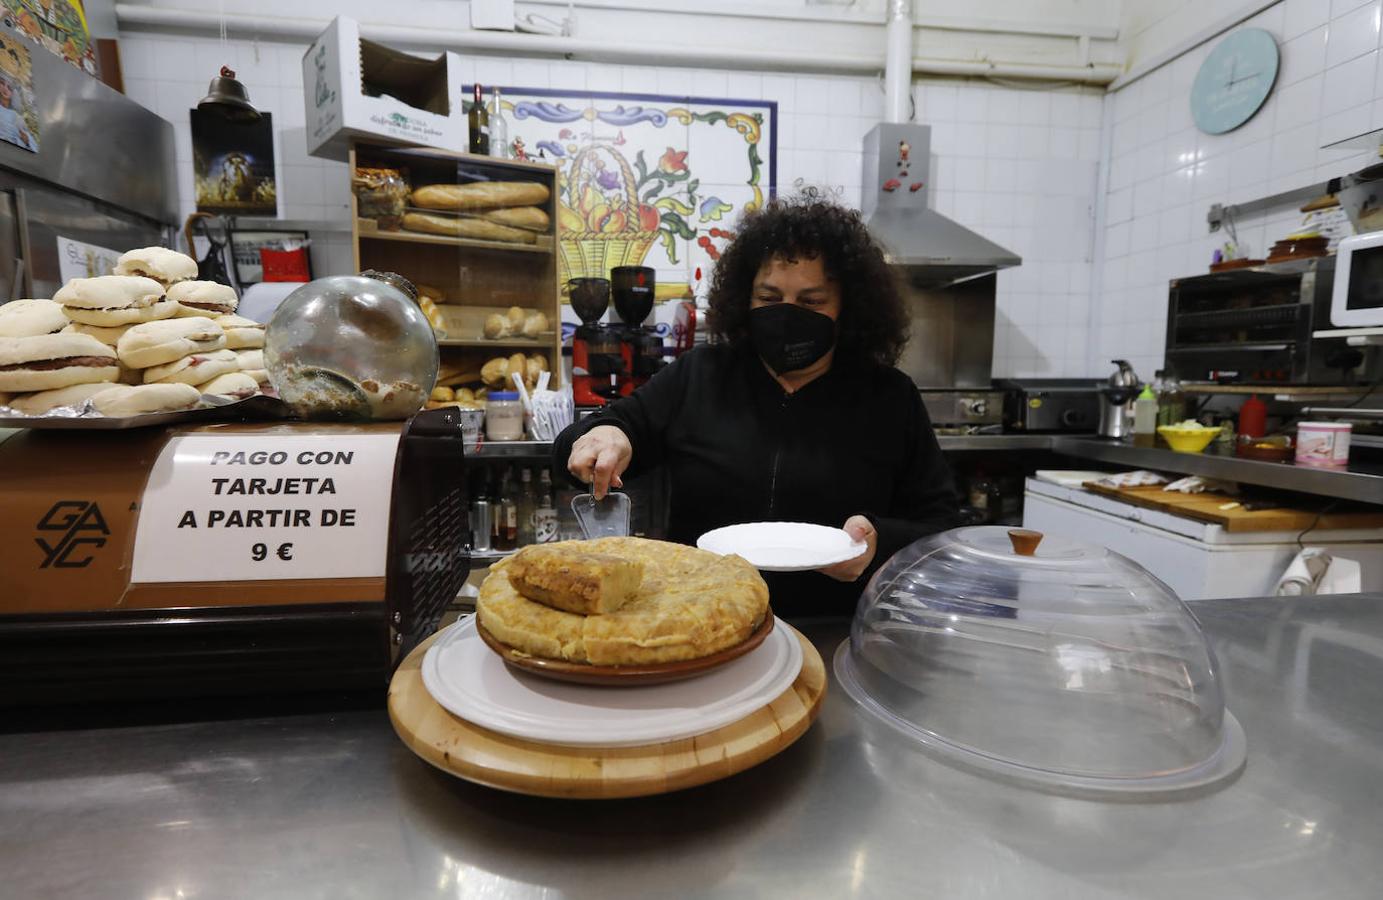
pixel 333 804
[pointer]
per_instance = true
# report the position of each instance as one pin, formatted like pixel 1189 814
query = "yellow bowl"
pixel 1187 440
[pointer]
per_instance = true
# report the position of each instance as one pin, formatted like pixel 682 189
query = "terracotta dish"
pixel 625 676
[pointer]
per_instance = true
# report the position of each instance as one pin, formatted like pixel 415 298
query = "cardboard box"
pixel 358 88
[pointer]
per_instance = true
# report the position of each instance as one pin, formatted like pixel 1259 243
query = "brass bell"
pixel 228 98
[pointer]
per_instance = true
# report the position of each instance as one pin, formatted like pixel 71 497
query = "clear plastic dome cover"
pixel 1072 668
pixel 351 347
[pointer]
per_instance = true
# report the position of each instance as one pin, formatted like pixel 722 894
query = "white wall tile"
pixel 1303 57
pixel 1303 15
pixel 1293 151
pixel 1349 84
pixel 1352 34
pixel 1299 103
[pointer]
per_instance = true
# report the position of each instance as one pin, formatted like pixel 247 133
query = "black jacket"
pixel 738 448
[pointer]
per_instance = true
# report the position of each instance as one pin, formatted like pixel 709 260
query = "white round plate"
pixel 783 546
pixel 470 680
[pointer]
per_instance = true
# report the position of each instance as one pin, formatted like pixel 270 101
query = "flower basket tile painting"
pixel 646 179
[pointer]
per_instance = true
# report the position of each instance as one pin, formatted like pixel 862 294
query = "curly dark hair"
pixel 873 324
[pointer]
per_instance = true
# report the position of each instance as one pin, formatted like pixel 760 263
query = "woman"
pixel 796 414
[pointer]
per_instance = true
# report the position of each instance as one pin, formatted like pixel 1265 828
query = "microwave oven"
pixel 1356 300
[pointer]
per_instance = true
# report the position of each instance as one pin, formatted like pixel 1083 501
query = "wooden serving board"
pixel 548 770
pixel 1206 508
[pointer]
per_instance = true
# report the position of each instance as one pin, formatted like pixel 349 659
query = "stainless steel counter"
pixel 333 805
pixel 1361 481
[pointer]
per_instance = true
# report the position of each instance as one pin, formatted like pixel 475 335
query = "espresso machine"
pixel 596 348
pixel 641 349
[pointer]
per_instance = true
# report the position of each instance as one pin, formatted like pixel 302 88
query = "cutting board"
pixel 548 770
pixel 1206 508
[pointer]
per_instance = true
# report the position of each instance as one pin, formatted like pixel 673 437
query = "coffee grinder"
pixel 596 353
pixel 640 346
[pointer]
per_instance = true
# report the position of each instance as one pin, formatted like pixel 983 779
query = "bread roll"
pixel 127 400
pixel 518 365
pixel 478 229
pixel 50 361
pixel 39 403
pixel 242 333
pixel 534 324
pixel 195 368
pixel 465 395
pixel 442 394
pixel 516 317
pixel 480 195
pixel 113 300
pixel 496 326
pixel 529 217
pixel 495 371
pixel 108 336
pixel 159 263
pixel 156 343
pixel 31 318
pixel 203 298
pixel 232 384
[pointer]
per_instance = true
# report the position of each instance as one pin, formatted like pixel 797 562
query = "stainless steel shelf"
pixel 950 442
pixel 513 450
pixel 1361 482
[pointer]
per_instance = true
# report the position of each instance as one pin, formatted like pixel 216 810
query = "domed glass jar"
pixel 1047 661
pixel 353 348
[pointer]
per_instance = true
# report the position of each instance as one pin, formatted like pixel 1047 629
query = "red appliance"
pixel 641 348
pixel 596 350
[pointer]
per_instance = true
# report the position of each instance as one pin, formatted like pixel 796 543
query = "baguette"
pixel 480 195
pixel 466 228
pixel 530 217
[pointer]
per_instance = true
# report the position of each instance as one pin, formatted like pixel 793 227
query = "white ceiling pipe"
pixel 139 17
pixel 897 61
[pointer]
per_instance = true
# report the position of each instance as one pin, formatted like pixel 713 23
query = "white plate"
pixel 470 680
pixel 783 546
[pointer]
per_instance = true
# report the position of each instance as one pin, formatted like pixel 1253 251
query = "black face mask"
pixel 790 337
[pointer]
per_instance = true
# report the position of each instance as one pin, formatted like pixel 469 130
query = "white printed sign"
pixel 79 260
pixel 266 506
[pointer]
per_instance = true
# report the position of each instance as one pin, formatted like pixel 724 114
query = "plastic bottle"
pixel 1145 418
pixel 1253 417
pixel 528 503
pixel 1171 401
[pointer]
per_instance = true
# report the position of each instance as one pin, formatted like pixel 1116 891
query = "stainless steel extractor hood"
pixel 931 248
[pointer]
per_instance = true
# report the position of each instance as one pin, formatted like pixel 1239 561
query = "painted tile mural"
pixel 647 179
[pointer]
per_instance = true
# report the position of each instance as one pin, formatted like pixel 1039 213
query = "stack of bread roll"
pixel 149 325
pixel 508 211
pixel 517 322
pixel 246 338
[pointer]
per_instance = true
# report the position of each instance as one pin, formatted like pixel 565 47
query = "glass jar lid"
pixel 1047 660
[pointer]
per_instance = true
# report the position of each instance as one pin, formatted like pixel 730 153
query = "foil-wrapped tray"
pixel 212 409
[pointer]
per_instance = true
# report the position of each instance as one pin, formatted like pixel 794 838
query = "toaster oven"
pixel 1255 326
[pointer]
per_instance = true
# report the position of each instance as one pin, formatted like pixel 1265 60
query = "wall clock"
pixel 1234 81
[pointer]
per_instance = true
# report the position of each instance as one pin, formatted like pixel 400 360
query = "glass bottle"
pixel 499 129
pixel 527 505
pixel 478 119
pixel 496 513
pixel 545 516
pixel 508 514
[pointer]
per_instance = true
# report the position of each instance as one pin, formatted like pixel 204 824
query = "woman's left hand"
pixel 860 529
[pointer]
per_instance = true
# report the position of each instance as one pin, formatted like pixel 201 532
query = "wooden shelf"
pixel 544 342
pixel 470 243
pixel 473 278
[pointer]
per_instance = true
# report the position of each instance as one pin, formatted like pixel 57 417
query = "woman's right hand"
pixel 599 457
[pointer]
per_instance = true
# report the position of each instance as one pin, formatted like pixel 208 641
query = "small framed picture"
pixel 245 247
